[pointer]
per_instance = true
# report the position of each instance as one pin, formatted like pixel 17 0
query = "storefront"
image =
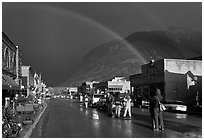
pixel 171 76
pixel 9 88
pixel 11 68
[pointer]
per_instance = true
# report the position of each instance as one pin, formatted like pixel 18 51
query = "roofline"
pixel 5 37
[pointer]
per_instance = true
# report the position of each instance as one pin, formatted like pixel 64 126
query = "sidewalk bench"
pixel 20 108
pixel 27 108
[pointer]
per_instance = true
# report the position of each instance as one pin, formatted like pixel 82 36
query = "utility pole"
pixel 17 65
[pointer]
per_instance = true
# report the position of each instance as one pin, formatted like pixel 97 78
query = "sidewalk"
pixel 27 129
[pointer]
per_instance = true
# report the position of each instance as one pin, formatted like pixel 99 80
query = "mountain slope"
pixel 116 59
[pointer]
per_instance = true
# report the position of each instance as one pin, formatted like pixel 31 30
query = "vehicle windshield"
pixel 174 102
pixel 98 96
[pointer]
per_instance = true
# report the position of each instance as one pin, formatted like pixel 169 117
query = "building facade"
pixel 101 87
pixel 87 88
pixel 119 85
pixel 27 80
pixel 11 68
pixel 115 85
pixel 176 78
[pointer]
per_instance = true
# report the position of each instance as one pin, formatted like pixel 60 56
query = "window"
pixel 14 61
pixel 7 57
pixel 11 60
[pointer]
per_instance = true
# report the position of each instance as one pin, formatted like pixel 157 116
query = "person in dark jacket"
pixel 156 114
pixel 109 101
pixel 118 105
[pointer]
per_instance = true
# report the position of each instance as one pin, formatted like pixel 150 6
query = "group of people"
pixel 120 103
pixel 124 105
pixel 156 112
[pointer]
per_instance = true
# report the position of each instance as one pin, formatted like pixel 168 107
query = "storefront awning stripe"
pixel 5 85
pixel 10 82
pixel 115 86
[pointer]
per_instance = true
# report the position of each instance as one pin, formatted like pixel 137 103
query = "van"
pixel 95 98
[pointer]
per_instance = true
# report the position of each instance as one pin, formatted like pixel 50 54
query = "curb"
pixel 28 134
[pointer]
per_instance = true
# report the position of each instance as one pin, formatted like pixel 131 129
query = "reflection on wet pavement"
pixel 81 109
pixel 71 119
pixel 86 112
pixel 194 134
pixel 95 116
pixel 128 127
pixel 184 129
pixel 181 116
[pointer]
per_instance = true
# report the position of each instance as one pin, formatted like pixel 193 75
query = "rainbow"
pixel 92 22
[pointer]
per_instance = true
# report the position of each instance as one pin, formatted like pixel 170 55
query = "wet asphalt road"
pixel 66 118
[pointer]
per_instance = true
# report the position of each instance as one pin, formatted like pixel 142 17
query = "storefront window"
pixel 14 61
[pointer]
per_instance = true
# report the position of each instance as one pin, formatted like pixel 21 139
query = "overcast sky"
pixel 54 37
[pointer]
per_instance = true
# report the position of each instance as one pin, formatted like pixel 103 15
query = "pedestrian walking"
pixel 86 100
pixel 127 106
pixel 155 112
pixel 118 105
pixel 123 101
pixel 80 97
pixel 109 101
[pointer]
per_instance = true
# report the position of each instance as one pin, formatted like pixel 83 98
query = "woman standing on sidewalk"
pixel 127 106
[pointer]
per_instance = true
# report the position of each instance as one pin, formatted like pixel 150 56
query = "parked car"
pixel 95 98
pixel 145 104
pixel 101 104
pixel 56 96
pixel 62 96
pixel 196 110
pixel 75 96
pixel 47 97
pixel 137 102
pixel 174 105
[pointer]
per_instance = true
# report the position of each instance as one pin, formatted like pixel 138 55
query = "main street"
pixel 66 118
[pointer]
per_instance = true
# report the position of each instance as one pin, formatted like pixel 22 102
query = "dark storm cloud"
pixel 54 37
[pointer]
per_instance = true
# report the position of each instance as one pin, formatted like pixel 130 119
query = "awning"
pixel 5 85
pixel 115 86
pixel 10 82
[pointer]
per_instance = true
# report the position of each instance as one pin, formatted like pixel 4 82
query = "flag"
pixel 40 79
pixel 190 81
pixel 36 78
